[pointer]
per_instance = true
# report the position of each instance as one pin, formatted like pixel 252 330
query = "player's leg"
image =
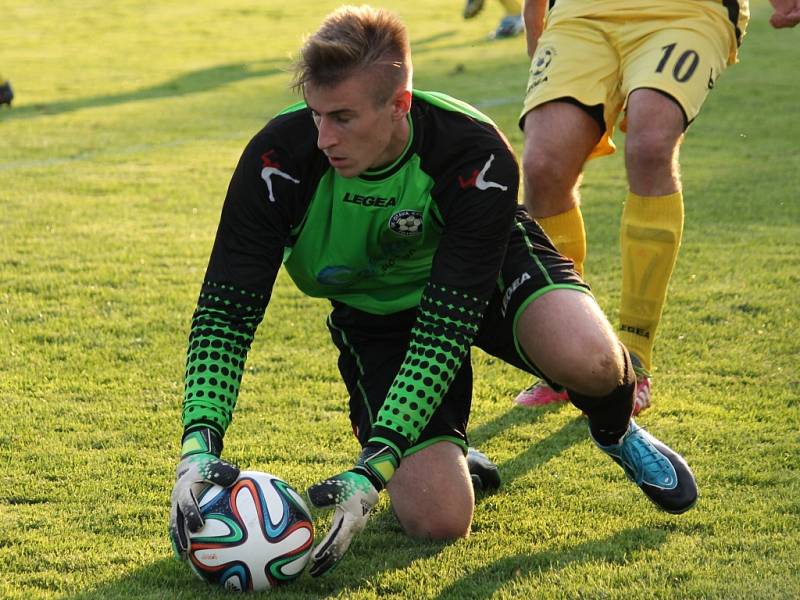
pixel 666 80
pixel 511 24
pixel 567 336
pixel 547 323
pixel 472 8
pixel 651 226
pixel 559 136
pixel 432 490
pixel 568 115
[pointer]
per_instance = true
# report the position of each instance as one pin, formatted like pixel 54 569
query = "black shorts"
pixel 372 347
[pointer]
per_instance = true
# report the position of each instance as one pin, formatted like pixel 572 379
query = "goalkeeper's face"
pixel 354 130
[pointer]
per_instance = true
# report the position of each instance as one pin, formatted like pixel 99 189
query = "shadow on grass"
pixel 382 548
pixel 616 549
pixel 202 80
pixel 192 82
pixel 167 578
pixel 540 451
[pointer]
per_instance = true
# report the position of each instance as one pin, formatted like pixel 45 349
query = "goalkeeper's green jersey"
pixel 428 231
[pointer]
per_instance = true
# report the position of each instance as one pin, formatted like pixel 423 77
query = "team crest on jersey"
pixel 406 222
pixel 540 65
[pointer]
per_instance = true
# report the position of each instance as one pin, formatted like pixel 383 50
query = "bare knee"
pixel 539 165
pixel 603 370
pixel 656 125
pixel 558 138
pixel 436 526
pixel 593 366
pixel 651 149
pixel 549 187
pixel 432 494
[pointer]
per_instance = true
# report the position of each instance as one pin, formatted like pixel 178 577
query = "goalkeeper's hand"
pixel 199 467
pixel 352 495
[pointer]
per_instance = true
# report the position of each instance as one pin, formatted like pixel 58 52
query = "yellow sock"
pixel 567 233
pixel 513 7
pixel 650 237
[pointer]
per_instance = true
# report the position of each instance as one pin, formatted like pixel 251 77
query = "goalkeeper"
pixel 400 207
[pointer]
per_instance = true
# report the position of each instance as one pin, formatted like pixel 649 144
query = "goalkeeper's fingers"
pixel 335 544
pixel 189 510
pixel 178 534
pixel 353 497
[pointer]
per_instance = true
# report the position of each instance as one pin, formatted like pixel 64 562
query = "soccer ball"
pixel 257 534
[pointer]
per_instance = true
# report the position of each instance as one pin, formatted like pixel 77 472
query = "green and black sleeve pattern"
pixel 254 226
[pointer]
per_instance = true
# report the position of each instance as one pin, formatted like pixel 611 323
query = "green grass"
pixel 129 118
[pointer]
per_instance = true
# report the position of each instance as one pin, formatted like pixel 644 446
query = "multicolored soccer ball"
pixel 258 534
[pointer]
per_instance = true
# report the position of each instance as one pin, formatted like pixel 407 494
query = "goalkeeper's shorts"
pixel 372 347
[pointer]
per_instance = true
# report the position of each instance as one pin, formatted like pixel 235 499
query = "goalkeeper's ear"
pixel 401 104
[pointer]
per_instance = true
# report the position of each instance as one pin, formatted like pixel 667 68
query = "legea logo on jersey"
pixel 406 222
pixel 368 200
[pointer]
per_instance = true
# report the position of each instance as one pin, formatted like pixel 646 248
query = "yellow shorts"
pixel 599 56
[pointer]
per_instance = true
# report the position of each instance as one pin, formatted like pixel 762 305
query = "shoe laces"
pixel 642 460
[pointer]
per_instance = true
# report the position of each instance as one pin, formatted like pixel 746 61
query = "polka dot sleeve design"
pixel 447 322
pixel 223 327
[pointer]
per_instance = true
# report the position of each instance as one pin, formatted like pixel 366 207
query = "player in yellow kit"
pixel 510 25
pixel 651 62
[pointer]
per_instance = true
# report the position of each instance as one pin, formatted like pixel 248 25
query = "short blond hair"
pixel 357 39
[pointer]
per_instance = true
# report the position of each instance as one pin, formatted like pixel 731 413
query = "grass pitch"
pixel 128 121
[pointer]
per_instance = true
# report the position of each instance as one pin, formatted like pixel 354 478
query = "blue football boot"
pixel 661 473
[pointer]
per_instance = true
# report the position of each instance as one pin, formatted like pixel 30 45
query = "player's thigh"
pixel 532 268
pixel 372 349
pixel 681 58
pixel 565 333
pixel 431 492
pixel 574 60
pixel 559 136
pixel 655 128
pixel 655 122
